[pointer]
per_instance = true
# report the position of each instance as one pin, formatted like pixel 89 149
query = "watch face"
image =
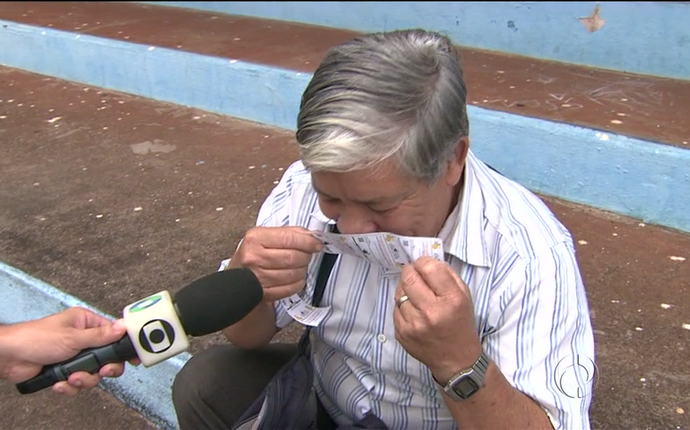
pixel 465 387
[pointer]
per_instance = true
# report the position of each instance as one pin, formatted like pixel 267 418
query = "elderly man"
pixel 384 140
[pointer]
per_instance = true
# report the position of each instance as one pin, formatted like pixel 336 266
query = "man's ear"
pixel 456 165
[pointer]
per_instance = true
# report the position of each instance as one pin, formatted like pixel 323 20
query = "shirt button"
pixel 381 338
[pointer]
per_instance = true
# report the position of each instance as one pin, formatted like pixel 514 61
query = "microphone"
pixel 158 326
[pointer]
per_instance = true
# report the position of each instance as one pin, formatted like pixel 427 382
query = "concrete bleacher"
pixel 608 150
pixel 569 118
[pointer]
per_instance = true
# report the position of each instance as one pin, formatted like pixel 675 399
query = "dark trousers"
pixel 217 385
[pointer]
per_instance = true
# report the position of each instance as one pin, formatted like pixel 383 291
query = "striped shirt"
pixel 532 315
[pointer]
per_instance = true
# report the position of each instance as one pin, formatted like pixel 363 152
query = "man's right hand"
pixel 279 257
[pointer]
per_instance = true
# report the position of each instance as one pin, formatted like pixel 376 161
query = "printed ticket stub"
pixel 387 250
pixel 301 311
pixel 297 306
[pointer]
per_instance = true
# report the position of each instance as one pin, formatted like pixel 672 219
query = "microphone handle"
pixel 89 360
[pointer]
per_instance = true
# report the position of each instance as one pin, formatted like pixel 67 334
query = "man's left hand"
pixel 436 324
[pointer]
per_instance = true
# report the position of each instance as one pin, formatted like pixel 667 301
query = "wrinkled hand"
pixel 436 325
pixel 279 257
pixel 56 338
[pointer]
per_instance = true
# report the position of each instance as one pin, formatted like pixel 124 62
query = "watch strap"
pixel 475 374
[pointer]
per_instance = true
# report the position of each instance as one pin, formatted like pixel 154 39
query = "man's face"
pixel 380 199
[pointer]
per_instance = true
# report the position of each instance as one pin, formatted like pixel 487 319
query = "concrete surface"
pixel 144 389
pixel 71 188
pixel 111 159
pixel 49 411
pixel 610 171
pixel 559 92
pixel 547 30
pixel 110 197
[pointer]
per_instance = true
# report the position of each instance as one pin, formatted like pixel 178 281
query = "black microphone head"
pixel 217 301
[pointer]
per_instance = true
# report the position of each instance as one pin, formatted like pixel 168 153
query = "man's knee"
pixel 216 385
pixel 198 379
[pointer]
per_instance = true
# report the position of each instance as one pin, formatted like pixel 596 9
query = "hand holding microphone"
pixel 26 347
pixel 158 327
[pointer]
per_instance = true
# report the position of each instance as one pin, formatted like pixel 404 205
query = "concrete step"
pixel 47 410
pixel 614 141
pixel 111 197
pixel 648 107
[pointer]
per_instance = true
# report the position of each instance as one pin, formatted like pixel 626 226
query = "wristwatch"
pixel 466 383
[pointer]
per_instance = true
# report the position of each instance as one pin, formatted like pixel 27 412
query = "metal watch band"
pixel 471 379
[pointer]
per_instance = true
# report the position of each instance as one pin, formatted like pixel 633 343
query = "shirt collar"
pixel 463 232
pixel 318 221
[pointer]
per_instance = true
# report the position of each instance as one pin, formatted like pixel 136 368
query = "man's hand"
pixel 436 324
pixel 26 347
pixel 279 257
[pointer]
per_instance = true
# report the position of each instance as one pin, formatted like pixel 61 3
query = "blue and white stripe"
pixel 530 304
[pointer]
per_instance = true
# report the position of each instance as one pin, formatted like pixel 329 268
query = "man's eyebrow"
pixel 373 201
pixel 318 191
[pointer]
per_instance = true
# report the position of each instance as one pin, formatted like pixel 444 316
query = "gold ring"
pixel 402 300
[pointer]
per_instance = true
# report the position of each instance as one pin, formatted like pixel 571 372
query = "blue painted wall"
pixel 629 176
pixel 640 37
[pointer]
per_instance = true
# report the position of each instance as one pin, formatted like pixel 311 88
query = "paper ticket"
pixel 301 311
pixel 387 250
pixel 296 306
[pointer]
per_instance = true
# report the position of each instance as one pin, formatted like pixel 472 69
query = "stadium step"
pixel 110 196
pixel 647 107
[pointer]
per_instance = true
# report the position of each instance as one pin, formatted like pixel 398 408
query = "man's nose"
pixel 356 221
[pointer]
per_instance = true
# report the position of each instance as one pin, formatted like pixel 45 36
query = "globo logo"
pixel 157 336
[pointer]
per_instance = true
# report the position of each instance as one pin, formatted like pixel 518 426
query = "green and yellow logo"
pixel 146 303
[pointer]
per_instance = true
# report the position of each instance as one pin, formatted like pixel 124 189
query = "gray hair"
pixel 400 93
